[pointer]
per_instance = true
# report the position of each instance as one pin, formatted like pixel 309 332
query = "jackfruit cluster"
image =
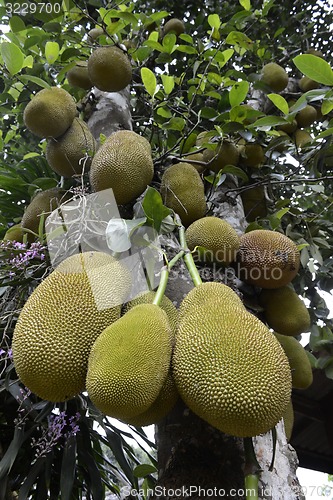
pixel 129 362
pixel 267 259
pixel 217 239
pixel 300 366
pixel 109 69
pixel 123 163
pixel 61 320
pixel 183 191
pixel 228 367
pixel 284 311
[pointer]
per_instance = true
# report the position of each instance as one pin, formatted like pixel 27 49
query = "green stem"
pixel 190 264
pixel 251 470
pixel 164 278
pixel 251 486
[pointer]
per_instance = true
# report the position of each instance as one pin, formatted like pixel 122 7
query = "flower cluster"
pixel 18 257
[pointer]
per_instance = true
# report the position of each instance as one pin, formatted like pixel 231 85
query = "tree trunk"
pixel 196 460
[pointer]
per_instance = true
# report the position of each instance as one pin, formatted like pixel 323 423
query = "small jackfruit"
pixel 94 33
pixel 183 191
pixel 175 26
pixel 288 420
pixel 14 233
pixel 71 154
pixel 230 370
pixel 306 84
pixel 50 112
pixel 226 153
pixel 61 320
pixel 200 167
pixel 302 138
pixel 123 163
pixel 217 236
pixel 43 203
pixel 78 76
pixel 289 128
pixel 284 311
pixel 300 366
pixel 274 76
pixel 109 69
pixel 254 203
pixel 306 116
pixel 267 259
pixel 129 362
pixel 252 155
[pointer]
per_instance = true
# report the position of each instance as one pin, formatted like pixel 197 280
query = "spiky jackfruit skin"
pixel 14 233
pixel 61 320
pixel 50 112
pixel 165 304
pixel 183 191
pixel 288 420
pixel 267 259
pixel 78 76
pixel 274 76
pixel 109 69
pixel 175 26
pixel 43 203
pixel 71 154
pixel 217 236
pixel 300 366
pixel 129 362
pixel 123 163
pixel 254 203
pixel 225 154
pixel 284 311
pixel 306 116
pixel 209 293
pixel 230 370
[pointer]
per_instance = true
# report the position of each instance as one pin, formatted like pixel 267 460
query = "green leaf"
pixel 144 470
pixel 36 80
pixel 169 42
pixel 214 21
pixel 168 83
pixel 154 209
pixel 315 68
pixel 246 4
pixel 231 169
pixel 51 52
pixel 175 124
pixel 327 106
pixel 281 213
pixel 238 38
pixel 149 81
pixel 326 133
pixel 12 56
pixel 279 102
pixel 67 476
pixel 238 93
pixel 16 24
pixel 268 121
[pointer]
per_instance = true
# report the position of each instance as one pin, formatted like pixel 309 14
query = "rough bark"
pixel 191 453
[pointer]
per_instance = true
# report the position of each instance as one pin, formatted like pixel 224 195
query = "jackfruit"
pixel 306 116
pixel 71 154
pixel 183 191
pixel 123 163
pixel 61 320
pixel 14 233
pixel 315 52
pixel 78 76
pixel 217 236
pixel 302 138
pixel 300 366
pixel 129 362
pixel 43 203
pixel 251 155
pixel 306 84
pixel 254 203
pixel 226 153
pixel 274 76
pixel 50 112
pixel 109 69
pixel 94 33
pixel 284 311
pixel 230 370
pixel 196 157
pixel 207 293
pixel 288 420
pixel 175 26
pixel 289 128
pixel 267 259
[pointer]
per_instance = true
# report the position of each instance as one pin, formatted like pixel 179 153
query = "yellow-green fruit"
pixel 71 154
pixel 183 191
pixel 208 293
pixel 302 138
pixel 43 203
pixel 267 259
pixel 109 69
pixel 288 420
pixel 61 320
pixel 78 76
pixel 217 236
pixel 306 84
pixel 300 366
pixel 162 405
pixel 254 203
pixel 315 52
pixel 274 76
pixel 225 154
pixel 175 26
pixel 196 157
pixel 166 305
pixel 252 155
pixel 50 112
pixel 123 163
pixel 306 116
pixel 230 370
pixel 14 233
pixel 284 311
pixel 289 128
pixel 94 33
pixel 129 362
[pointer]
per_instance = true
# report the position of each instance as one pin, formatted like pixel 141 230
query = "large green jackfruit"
pixel 109 69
